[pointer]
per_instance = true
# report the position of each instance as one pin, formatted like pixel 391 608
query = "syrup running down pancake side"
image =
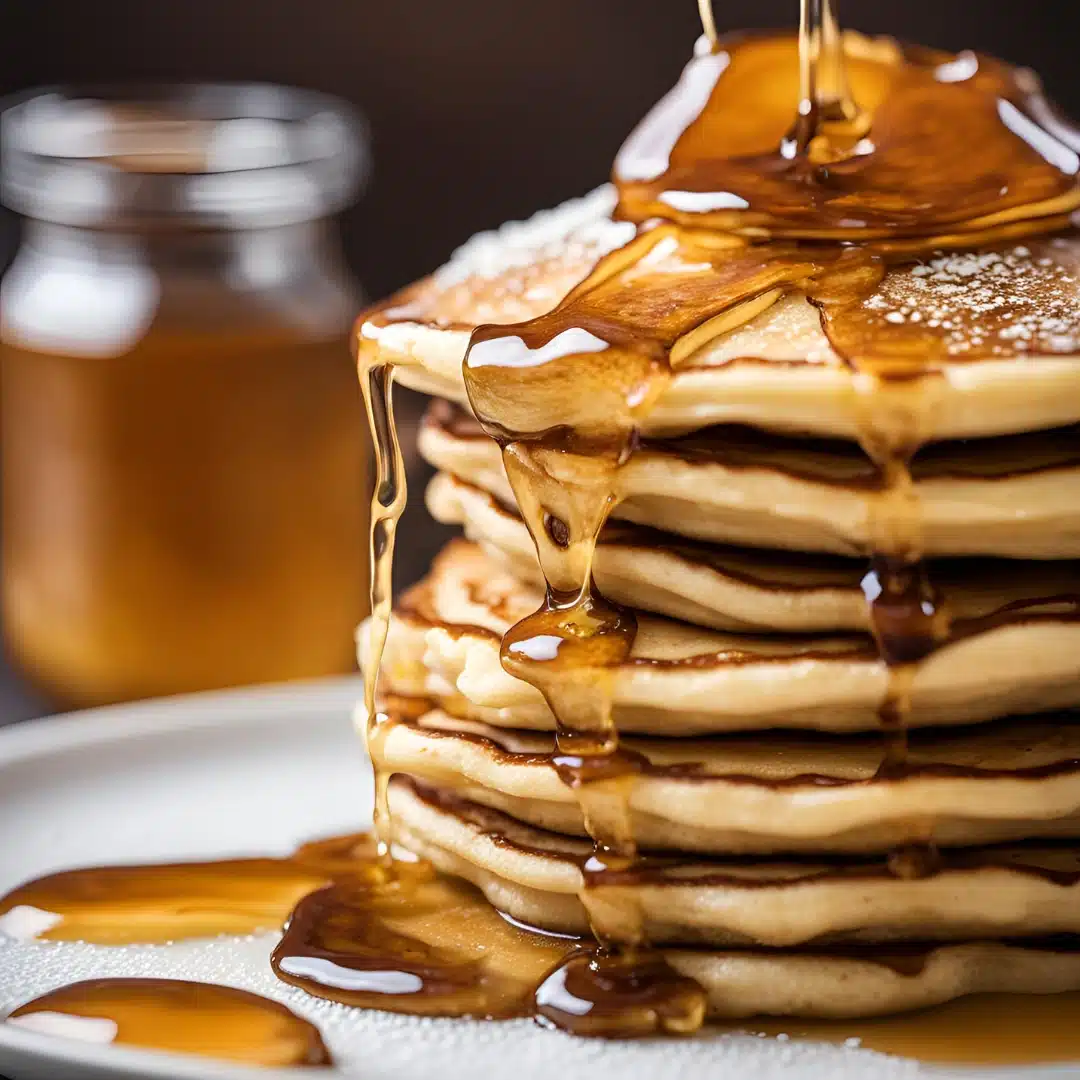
pixel 387 504
pixel 847 163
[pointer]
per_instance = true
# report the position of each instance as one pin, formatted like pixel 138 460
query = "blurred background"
pixel 479 110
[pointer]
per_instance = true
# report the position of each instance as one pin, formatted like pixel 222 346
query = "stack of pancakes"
pixel 751 701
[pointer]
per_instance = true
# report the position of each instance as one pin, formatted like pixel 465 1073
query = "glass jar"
pixel 184 465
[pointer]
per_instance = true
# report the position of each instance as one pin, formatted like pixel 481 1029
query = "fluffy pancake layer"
pixel 537 877
pixel 1017 497
pixel 729 588
pixel 679 680
pixel 768 793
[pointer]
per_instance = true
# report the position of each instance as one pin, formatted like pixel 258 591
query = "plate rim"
pixel 73 729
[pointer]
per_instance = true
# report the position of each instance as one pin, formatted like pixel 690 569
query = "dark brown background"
pixel 480 110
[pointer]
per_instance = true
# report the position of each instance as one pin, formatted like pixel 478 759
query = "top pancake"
pixel 777 370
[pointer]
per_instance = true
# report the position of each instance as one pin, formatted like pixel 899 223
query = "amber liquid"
pixel 424 943
pixel 184 516
pixel 387 504
pixel 984 1029
pixel 183 1017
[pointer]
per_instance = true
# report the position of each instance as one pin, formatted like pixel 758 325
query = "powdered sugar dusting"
pixel 520 270
pixel 1020 300
pixel 577 228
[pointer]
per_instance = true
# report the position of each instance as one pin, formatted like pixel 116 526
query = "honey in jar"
pixel 184 464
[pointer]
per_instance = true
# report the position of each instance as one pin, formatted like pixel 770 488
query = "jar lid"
pixel 212 155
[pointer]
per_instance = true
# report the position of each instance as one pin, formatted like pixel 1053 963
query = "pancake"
pixel 737 588
pixel 536 876
pixel 445 638
pixel 777 370
pixel 1017 497
pixel 768 793
pixel 843 985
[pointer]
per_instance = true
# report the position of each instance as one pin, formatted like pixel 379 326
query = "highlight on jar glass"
pixel 183 448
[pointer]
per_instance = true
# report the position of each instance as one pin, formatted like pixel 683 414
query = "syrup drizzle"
pixel 708 22
pixel 387 505
pixel 830 123
pixel 841 172
pixel 891 143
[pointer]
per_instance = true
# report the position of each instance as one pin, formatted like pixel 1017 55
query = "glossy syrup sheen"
pixel 433 945
pixel 399 937
pixel 172 1015
pixel 155 903
pixel 941 141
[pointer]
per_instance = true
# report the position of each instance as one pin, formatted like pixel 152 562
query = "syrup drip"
pixel 616 338
pixel 591 991
pixel 182 1017
pixel 830 123
pixel 908 616
pixel 387 504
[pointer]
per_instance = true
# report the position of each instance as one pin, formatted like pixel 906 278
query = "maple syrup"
pixel 387 505
pixel 890 142
pixel 423 943
pixel 183 1017
pixel 405 940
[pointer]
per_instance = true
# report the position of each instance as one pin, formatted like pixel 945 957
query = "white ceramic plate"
pixel 254 772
